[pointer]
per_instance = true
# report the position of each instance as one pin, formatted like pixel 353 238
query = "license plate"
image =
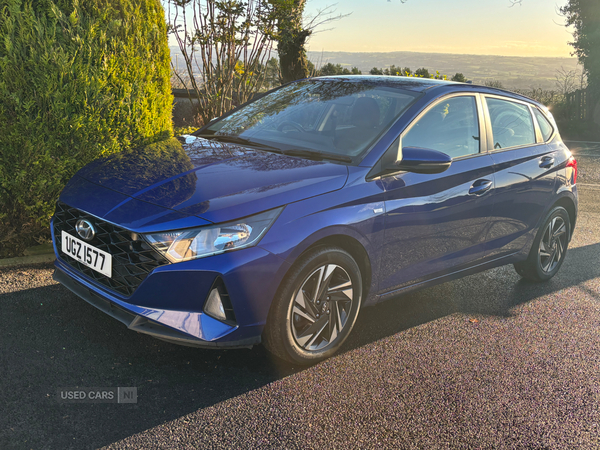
pixel 87 254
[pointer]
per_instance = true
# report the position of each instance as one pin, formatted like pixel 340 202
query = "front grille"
pixel 132 259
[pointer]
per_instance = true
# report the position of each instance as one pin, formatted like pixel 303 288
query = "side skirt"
pixel 502 261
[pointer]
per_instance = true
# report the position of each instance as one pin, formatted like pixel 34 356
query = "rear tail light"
pixel 573 164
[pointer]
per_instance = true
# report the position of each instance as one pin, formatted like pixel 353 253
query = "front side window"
pixel 512 124
pixel 451 127
pixel 335 116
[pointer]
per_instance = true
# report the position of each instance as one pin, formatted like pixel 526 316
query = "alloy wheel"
pixel 321 307
pixel 553 244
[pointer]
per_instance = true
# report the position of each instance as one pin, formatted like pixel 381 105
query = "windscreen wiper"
pixel 238 140
pixel 317 155
pixel 293 152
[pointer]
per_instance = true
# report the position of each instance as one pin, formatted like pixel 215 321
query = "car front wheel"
pixel 316 307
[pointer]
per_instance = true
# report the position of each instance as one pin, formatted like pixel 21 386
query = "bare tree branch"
pixel 225 46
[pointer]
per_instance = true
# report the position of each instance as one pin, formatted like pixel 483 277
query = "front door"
pixel 437 223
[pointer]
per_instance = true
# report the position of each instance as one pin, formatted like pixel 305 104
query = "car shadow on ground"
pixel 495 292
pixel 52 340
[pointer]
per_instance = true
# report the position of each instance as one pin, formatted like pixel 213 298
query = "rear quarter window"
pixel 545 126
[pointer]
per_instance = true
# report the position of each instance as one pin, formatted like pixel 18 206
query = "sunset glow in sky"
pixel 485 27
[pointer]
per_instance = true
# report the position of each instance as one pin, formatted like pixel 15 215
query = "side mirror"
pixel 413 159
pixel 422 160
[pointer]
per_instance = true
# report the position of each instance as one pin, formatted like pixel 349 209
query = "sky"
pixel 480 27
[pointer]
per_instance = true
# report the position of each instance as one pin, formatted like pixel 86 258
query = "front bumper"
pixel 168 304
pixel 152 321
pixel 139 321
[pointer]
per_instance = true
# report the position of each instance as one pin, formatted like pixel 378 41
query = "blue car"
pixel 279 221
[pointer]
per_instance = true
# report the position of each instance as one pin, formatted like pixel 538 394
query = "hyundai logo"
pixel 85 229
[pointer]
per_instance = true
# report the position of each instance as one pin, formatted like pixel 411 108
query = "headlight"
pixel 210 240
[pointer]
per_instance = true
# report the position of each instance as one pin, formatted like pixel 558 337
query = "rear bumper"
pixel 576 203
pixel 178 327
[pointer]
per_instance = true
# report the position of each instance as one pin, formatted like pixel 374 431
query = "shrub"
pixel 494 84
pixel 405 72
pixel 78 80
pixel 459 77
pixel 178 131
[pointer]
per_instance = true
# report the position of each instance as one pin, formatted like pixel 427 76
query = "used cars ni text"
pixel 281 220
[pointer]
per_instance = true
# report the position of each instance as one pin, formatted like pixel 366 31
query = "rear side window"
pixel 451 127
pixel 512 124
pixel 545 126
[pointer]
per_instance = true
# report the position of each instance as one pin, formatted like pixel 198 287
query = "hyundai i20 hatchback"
pixel 281 220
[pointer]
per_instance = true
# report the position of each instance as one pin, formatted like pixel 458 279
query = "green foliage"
pixel 337 69
pixel 392 70
pixel 423 73
pixel 584 17
pixel 77 81
pixel 494 84
pixel 398 71
pixel 178 131
pixel 459 77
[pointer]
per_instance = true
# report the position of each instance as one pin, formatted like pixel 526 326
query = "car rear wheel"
pixel 549 247
pixel 316 307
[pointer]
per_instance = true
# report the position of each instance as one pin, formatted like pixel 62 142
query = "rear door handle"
pixel 546 162
pixel 480 187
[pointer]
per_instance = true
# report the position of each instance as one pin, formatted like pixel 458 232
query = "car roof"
pixel 416 84
pixel 494 91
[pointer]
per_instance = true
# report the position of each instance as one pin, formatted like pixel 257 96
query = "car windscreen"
pixel 327 116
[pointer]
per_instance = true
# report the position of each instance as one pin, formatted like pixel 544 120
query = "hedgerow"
pixel 78 80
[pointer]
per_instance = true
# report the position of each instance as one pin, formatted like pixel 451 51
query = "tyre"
pixel 549 247
pixel 316 307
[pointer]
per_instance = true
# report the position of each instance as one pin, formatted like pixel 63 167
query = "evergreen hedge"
pixel 78 80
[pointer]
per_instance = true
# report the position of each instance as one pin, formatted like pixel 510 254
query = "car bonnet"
pixel 212 180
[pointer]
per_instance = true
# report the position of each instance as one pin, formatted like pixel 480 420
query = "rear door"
pixel 524 172
pixel 436 223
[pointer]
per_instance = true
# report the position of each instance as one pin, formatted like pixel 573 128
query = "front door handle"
pixel 480 187
pixel 546 162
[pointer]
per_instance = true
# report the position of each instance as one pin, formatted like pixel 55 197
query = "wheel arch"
pixel 355 249
pixel 568 203
pixel 337 238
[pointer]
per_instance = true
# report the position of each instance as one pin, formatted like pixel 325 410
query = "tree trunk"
pixel 290 46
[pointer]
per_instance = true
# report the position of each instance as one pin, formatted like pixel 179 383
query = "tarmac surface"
pixel 488 361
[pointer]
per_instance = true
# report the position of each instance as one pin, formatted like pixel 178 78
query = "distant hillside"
pixel 513 71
